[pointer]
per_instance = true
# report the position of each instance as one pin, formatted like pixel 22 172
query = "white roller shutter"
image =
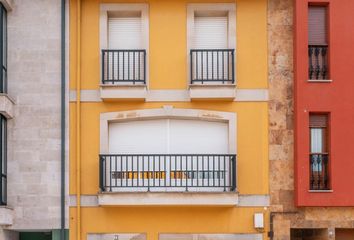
pixel 210 32
pixel 142 137
pixel 168 136
pixel 124 32
pixel 201 137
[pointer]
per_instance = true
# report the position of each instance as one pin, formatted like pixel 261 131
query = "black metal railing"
pixel 160 172
pixel 318 62
pixel 319 174
pixel 123 66
pixel 212 65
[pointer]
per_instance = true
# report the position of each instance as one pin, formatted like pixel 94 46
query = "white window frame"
pixel 125 7
pixel 192 8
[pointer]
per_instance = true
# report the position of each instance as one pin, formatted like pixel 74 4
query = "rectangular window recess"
pixel 319 152
pixel 318 47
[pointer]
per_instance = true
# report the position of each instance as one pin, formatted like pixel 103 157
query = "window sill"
pixel 6 216
pixel 225 92
pixel 320 191
pixel 222 199
pixel 320 81
pixel 132 92
pixel 6 106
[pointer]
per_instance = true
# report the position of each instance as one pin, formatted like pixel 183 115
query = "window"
pixel 3 160
pixel 319 157
pixel 318 42
pixel 3 49
pixel 124 43
pixel 212 40
pixel 165 149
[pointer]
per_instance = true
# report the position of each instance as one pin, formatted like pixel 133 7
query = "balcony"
pixel 319 177
pixel 123 74
pixel 318 62
pixel 159 179
pixel 212 74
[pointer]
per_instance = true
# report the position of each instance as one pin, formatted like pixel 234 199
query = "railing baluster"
pixel 233 66
pixel 144 81
pixel 139 68
pixel 103 66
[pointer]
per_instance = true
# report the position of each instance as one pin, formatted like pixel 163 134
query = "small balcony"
pixel 168 179
pixel 123 74
pixel 318 62
pixel 212 74
pixel 319 174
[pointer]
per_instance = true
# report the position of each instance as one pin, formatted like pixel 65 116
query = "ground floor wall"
pixel 314 224
pixel 154 221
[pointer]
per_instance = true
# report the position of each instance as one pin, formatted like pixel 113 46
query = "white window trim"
pixel 125 7
pixel 168 112
pixel 200 7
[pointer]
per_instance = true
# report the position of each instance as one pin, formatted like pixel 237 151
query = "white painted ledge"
pixel 123 92
pixel 229 199
pixel 6 106
pixel 206 92
pixel 7 4
pixel 320 81
pixel 6 216
pixel 320 191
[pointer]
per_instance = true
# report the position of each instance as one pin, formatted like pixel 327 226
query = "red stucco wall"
pixel 336 98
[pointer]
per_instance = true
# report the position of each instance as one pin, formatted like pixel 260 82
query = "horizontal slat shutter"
pixel 317 25
pixel 318 120
pixel 124 32
pixel 210 32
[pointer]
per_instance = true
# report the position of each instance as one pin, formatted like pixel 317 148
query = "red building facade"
pixel 324 102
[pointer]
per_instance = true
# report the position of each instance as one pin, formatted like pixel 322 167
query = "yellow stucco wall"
pixel 168 70
pixel 153 221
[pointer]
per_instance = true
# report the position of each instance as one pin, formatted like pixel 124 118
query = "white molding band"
pixel 254 201
pixel 243 200
pixel 242 95
pixel 86 201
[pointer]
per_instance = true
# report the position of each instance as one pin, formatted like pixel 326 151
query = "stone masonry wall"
pixel 281 132
pixel 34 132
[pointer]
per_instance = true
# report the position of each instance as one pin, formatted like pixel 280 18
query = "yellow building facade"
pixel 168 119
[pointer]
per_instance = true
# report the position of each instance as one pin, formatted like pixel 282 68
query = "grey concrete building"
pixel 30 120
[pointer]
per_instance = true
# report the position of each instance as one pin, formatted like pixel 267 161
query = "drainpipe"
pixel 63 117
pixel 78 123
